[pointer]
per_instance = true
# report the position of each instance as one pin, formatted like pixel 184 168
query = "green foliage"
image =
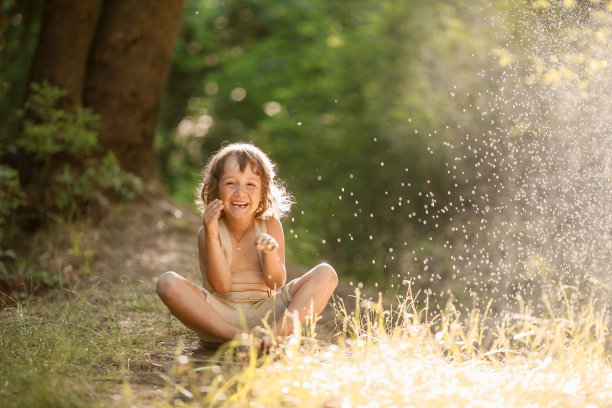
pixel 11 197
pixel 79 252
pixel 391 122
pixel 49 130
pixel 84 179
pixel 20 26
pixel 74 190
pixel 67 176
pixel 329 90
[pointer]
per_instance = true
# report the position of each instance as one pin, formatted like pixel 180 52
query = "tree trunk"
pixel 64 42
pixel 126 77
pixel 61 56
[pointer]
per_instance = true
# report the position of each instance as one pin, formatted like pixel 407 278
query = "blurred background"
pixel 458 147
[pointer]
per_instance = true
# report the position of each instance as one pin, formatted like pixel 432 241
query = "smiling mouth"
pixel 239 204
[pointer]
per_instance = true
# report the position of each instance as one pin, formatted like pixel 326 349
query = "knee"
pixel 168 284
pixel 327 275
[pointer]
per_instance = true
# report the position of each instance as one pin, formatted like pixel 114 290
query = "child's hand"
pixel 210 217
pixel 266 243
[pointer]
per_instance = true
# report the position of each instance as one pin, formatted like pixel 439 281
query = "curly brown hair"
pixel 275 201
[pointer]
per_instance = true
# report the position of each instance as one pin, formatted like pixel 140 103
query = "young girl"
pixel 242 255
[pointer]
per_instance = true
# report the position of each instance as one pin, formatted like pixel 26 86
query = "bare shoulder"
pixel 202 251
pixel 201 235
pixel 202 241
pixel 274 226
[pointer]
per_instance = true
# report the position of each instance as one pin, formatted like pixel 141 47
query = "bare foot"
pixel 264 340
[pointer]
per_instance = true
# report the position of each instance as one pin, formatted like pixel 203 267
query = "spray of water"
pixel 536 211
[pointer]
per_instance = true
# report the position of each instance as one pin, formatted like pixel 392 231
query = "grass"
pixel 114 345
pixel 76 347
pixel 386 358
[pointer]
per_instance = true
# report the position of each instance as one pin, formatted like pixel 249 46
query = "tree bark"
pixel 131 56
pixel 64 41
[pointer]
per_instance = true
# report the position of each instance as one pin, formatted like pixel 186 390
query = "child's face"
pixel 239 191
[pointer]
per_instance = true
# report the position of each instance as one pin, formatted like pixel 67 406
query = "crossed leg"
pixel 314 289
pixel 187 302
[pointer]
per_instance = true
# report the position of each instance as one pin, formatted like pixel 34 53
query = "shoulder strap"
pixel 226 242
pixel 260 228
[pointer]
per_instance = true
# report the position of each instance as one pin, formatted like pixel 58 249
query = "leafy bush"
pixel 78 177
pixel 63 173
pixel 11 197
pixel 49 130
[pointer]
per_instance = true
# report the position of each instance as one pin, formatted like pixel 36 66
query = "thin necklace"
pixel 238 247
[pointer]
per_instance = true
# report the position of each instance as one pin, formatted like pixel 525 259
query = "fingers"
pixel 212 212
pixel 266 243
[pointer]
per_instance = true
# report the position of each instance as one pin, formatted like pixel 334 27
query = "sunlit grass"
pixel 116 346
pixel 400 357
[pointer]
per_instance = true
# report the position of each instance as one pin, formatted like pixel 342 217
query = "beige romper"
pixel 245 309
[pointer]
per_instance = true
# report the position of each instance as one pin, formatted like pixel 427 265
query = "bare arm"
pixel 272 245
pixel 211 257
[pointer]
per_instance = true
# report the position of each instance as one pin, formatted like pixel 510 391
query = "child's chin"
pixel 240 212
